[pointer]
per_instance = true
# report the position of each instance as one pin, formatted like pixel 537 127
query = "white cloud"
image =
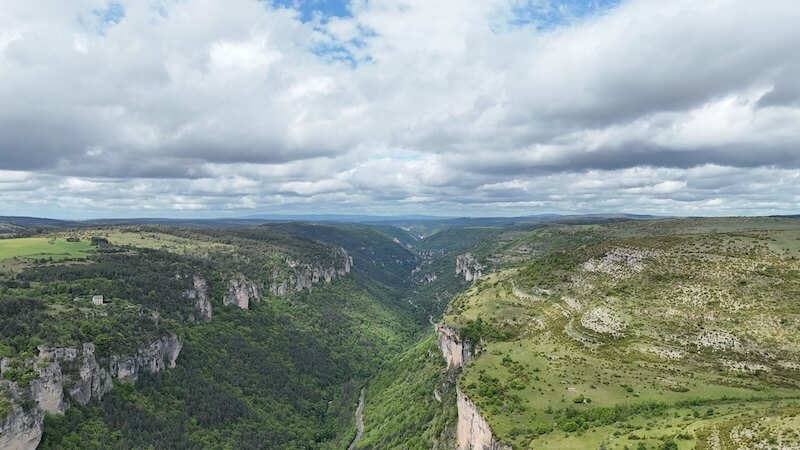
pixel 436 105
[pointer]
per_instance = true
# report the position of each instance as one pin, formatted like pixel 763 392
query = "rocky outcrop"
pixel 429 278
pixel 305 276
pixel 472 430
pixel 159 355
pixel 199 293
pixel 91 381
pixel 48 389
pixel 241 292
pixel 81 376
pixel 469 267
pixel 455 351
pixel 21 430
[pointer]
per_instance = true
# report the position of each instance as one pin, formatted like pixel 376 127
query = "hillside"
pixel 268 333
pixel 638 335
pixel 669 333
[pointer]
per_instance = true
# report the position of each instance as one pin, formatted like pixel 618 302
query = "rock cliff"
pixel 241 292
pixel 91 381
pixel 305 276
pixel 199 293
pixel 81 376
pixel 472 430
pixel 455 351
pixel 469 267
pixel 20 429
pixel 159 355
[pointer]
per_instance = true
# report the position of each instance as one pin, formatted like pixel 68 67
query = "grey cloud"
pixel 202 101
pixel 627 156
pixel 786 90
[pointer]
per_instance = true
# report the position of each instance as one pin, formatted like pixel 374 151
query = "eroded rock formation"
pixel 78 373
pixel 199 293
pixel 241 292
pixel 455 351
pixel 469 267
pixel 472 430
pixel 305 276
pixel 20 429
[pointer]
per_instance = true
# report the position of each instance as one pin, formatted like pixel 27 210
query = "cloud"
pixel 206 108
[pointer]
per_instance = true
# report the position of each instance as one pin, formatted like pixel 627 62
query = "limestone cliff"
pixel 81 376
pixel 469 267
pixel 241 292
pixel 20 429
pixel 159 355
pixel 472 430
pixel 306 275
pixel 455 351
pixel 91 381
pixel 199 293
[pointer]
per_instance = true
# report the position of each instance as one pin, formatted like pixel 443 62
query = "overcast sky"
pixel 206 108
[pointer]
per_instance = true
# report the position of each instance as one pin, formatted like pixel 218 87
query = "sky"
pixel 203 108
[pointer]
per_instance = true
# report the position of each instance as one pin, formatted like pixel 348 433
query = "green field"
pixel 162 241
pixel 43 247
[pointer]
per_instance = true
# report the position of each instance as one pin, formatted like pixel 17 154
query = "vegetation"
pixel 655 334
pixel 47 248
pixel 283 374
pixel 636 335
pixel 406 407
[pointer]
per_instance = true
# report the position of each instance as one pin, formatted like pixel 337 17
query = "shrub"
pixel 96 240
pixel 669 445
pixel 570 426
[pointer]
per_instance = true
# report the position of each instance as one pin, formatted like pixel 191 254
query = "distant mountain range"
pixel 321 218
pixel 397 220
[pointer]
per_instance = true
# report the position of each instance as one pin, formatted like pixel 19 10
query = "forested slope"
pixel 278 326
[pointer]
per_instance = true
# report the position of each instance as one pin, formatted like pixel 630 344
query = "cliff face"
pixel 199 293
pixel 20 429
pixel 301 276
pixel 305 276
pixel 159 355
pixel 469 267
pixel 48 389
pixel 472 430
pixel 78 373
pixel 455 351
pixel 241 292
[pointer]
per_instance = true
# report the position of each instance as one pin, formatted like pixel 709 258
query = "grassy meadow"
pixel 667 334
pixel 43 247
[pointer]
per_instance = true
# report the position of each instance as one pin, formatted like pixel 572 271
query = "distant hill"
pixel 30 222
pixel 347 218
pixel 415 225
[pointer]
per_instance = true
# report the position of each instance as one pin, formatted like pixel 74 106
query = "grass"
pixel 43 247
pixel 162 241
pixel 554 375
pixel 707 312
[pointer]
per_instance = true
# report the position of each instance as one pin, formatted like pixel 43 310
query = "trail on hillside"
pixel 359 419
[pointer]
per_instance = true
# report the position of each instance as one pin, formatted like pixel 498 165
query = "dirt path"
pixel 359 420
